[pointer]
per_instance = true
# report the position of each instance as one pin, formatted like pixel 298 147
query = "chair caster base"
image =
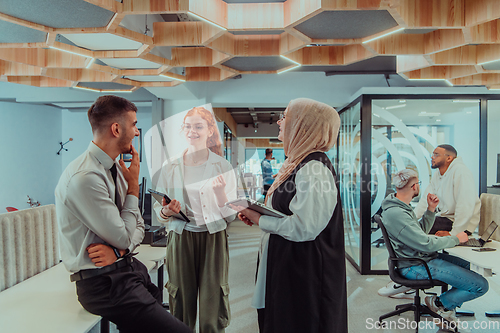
pixel 492 313
pixel 465 313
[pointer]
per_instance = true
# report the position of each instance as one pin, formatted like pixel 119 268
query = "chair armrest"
pixel 417 260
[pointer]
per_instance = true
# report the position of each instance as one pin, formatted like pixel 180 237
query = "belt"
pixel 88 273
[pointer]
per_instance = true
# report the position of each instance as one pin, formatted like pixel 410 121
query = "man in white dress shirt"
pixel 100 225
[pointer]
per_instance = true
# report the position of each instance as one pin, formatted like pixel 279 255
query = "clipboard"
pixel 257 206
pixel 159 196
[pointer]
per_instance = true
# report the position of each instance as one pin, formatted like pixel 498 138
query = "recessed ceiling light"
pixel 487 62
pixel 444 80
pixel 384 35
pixel 438 120
pixel 79 54
pixel 395 106
pixel 205 20
pixel 173 78
pixel 90 63
pixel 465 101
pixel 288 69
pixel 428 114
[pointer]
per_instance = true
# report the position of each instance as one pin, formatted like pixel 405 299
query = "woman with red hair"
pixel 200 182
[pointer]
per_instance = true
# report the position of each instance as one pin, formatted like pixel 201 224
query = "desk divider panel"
pixel 490 211
pixel 29 244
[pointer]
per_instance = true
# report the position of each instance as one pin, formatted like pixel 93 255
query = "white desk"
pixel 485 263
pixel 157 255
pixel 47 302
pixel 149 253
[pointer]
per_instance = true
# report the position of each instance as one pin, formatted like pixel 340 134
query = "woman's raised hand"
pixel 219 187
pixel 219 184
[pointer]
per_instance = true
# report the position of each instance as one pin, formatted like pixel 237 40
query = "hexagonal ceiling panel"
pixel 347 24
pixel 253 1
pixel 40 41
pixel 105 85
pixel 258 32
pixel 13 33
pixel 375 65
pixel 247 64
pixel 493 65
pixel 130 63
pixel 102 42
pixel 58 14
pixel 148 78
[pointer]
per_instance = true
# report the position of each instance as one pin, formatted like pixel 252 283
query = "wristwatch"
pixel 117 253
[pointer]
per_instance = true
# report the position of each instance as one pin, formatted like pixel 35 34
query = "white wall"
pixel 493 141
pixel 466 139
pixel 29 163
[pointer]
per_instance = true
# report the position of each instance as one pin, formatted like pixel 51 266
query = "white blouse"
pixel 193 179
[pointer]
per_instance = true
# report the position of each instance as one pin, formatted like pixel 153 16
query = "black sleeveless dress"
pixel 306 281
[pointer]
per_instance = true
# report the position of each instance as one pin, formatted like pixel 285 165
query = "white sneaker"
pixel 410 294
pixel 449 315
pixel 392 289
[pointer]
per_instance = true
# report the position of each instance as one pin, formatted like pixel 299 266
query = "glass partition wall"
pixel 349 178
pixel 382 134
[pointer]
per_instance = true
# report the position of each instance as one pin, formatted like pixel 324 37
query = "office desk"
pixel 485 263
pixel 47 302
pixel 157 255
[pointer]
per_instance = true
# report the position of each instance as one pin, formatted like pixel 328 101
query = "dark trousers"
pixel 266 188
pixel 128 298
pixel 441 223
pixel 261 318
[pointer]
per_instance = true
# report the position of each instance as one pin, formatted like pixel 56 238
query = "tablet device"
pixel 257 206
pixel 159 196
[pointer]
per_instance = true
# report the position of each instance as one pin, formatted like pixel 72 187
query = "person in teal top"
pixel 267 171
pixel 410 239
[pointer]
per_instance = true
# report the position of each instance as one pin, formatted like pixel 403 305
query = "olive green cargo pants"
pixel 197 264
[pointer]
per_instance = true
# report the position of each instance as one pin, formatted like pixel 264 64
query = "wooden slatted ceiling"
pixel 467 34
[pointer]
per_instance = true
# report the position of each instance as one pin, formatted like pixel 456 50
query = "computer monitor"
pixel 145 203
pixel 142 194
pixel 498 168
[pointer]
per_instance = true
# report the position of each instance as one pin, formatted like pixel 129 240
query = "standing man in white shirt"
pixel 453 183
pixel 100 225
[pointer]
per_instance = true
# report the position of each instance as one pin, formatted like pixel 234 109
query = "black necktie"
pixel 114 174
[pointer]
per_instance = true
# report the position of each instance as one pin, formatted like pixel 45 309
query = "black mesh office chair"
pixel 417 308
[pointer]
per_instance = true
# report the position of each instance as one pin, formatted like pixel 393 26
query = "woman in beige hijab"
pixel 301 281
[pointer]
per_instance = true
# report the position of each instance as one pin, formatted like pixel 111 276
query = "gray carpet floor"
pixel 364 304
